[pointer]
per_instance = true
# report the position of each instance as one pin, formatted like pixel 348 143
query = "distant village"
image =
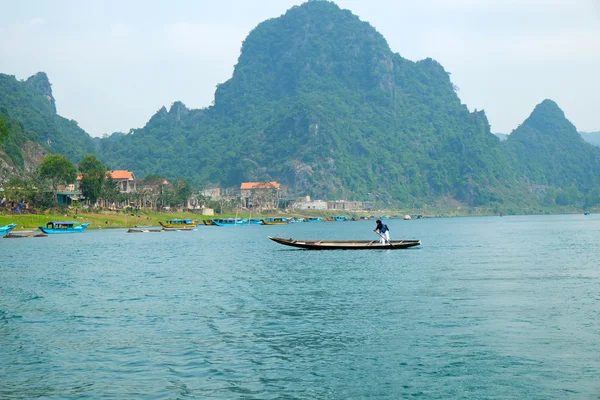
pixel 138 193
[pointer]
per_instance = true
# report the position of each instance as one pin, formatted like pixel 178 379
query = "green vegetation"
pixel 93 174
pixel 58 170
pixel 31 102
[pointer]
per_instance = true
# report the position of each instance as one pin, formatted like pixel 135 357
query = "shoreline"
pixel 111 220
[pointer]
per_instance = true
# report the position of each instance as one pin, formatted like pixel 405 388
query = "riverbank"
pixel 112 219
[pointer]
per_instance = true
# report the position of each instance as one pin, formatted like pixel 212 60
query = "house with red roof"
pixel 260 194
pixel 125 180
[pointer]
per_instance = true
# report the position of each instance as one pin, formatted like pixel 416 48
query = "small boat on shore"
pixel 24 234
pixel 64 227
pixel 347 244
pixel 7 228
pixel 178 224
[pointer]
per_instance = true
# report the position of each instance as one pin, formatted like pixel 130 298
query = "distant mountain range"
pixel 320 103
pixel 591 137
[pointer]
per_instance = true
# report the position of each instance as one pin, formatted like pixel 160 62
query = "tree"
pixel 184 190
pixel 110 191
pixel 93 174
pixel 3 130
pixel 58 170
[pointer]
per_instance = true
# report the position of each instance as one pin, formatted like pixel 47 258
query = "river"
pixel 487 307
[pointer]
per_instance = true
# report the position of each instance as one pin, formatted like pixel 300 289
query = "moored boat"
pixel 7 228
pixel 64 227
pixel 229 221
pixel 178 223
pixel 24 234
pixel 347 244
pixel 275 221
pixel 313 219
pixel 144 229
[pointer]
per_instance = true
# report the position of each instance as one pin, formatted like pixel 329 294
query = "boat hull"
pixel 7 228
pixel 23 234
pixel 347 244
pixel 77 229
pixel 144 230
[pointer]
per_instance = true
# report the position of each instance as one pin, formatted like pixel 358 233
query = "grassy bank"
pixel 101 220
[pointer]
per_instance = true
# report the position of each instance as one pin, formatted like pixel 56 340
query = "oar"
pixel 384 238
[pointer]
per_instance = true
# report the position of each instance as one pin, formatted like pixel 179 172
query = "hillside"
pixel 31 102
pixel 319 102
pixel 20 151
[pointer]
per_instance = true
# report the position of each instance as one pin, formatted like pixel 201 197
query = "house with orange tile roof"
pixel 125 180
pixel 260 195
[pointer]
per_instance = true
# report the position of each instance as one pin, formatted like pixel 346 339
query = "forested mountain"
pixel 320 103
pixel 549 151
pixel 31 102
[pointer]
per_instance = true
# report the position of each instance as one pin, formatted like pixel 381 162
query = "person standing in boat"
pixel 383 231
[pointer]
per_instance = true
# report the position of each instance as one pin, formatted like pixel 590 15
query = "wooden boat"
pixel 347 244
pixel 64 227
pixel 144 229
pixel 208 222
pixel 7 228
pixel 178 224
pixel 24 234
pixel 275 221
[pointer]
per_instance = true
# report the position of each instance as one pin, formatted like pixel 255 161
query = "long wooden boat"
pixel 275 221
pixel 346 244
pixel 63 227
pixel 7 228
pixel 178 223
pixel 24 234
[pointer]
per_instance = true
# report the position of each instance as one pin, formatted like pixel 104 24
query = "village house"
pixel 260 195
pixel 305 203
pixel 125 180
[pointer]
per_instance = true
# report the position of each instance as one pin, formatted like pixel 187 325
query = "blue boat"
pixel 314 219
pixel 7 228
pixel 64 227
pixel 229 221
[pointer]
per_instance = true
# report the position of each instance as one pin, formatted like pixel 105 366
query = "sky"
pixel 113 64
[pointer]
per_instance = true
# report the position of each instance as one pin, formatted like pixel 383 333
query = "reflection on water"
pixel 487 307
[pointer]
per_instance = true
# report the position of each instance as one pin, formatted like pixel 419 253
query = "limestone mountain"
pixel 31 102
pixel 319 102
pixel 549 150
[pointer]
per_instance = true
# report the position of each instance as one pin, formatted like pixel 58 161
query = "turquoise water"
pixel 505 308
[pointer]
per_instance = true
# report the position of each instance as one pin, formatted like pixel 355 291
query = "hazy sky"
pixel 113 64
